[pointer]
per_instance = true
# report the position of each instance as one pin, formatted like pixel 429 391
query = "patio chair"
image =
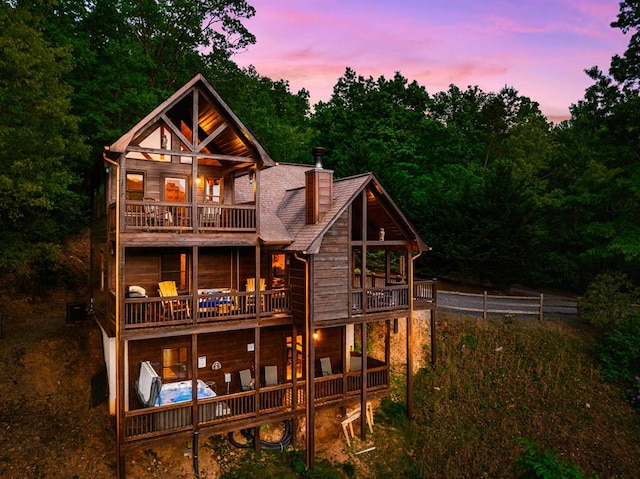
pixel 325 366
pixel 175 308
pixel 246 381
pixel 271 376
pixel 150 212
pixel 251 286
pixel 356 363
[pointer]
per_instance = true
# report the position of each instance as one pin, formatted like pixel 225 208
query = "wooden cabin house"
pixel 232 291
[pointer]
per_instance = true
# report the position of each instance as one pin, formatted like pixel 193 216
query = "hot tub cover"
pixel 148 384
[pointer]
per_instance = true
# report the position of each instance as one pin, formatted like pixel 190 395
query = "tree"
pixel 128 56
pixel 278 118
pixel 39 144
pixel 600 200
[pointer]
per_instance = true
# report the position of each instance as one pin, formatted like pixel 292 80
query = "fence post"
pixel 541 306
pixel 484 305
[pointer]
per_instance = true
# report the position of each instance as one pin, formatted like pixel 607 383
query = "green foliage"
pixel 392 412
pixel 633 393
pixel 609 300
pixel 40 202
pixel 275 116
pixel 290 464
pixel 519 380
pixel 547 464
pixel 501 195
pixel 619 350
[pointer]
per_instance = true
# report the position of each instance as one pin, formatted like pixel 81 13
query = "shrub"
pixel 394 413
pixel 633 393
pixel 619 350
pixel 538 464
pixel 608 300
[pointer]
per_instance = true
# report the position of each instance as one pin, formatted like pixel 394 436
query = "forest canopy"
pixel 501 194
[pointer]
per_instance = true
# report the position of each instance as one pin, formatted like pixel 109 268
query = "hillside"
pixel 494 383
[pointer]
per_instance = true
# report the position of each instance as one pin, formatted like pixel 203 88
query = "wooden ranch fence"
pixel 487 304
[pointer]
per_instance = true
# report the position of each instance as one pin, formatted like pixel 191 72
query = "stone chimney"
pixel 318 189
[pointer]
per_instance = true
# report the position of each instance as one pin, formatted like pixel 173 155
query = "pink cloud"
pixel 538 48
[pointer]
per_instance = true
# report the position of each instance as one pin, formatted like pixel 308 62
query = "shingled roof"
pixel 282 204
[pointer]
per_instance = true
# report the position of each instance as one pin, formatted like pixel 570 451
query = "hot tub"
pixel 173 393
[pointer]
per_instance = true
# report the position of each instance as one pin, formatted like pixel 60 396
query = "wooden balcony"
pixel 204 308
pixel 168 217
pixel 392 297
pixel 243 407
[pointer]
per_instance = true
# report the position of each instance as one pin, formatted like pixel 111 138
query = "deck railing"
pixel 162 216
pixel 377 378
pixel 161 420
pixel 224 218
pixel 329 388
pixel 204 308
pixel 391 297
pixel 157 216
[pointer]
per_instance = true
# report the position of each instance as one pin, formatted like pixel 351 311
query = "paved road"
pixel 552 304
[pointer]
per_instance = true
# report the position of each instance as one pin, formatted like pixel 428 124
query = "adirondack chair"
pixel 173 308
pixel 251 286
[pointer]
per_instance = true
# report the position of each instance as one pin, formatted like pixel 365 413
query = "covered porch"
pixel 257 377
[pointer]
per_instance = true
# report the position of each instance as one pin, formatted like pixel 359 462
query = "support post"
pixel 195 453
pixel 363 392
pixel 484 305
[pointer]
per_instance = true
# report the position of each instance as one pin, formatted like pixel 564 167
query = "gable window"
pixel 159 138
pixel 135 186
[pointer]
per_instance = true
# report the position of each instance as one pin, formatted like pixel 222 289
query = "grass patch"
pixel 288 464
pixel 496 383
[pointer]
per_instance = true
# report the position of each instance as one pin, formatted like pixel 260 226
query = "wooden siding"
pixel 329 344
pixel 142 268
pixel 154 173
pixel 298 290
pixel 331 273
pixel 230 350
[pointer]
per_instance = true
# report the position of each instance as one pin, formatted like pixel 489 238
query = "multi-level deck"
pixel 254 282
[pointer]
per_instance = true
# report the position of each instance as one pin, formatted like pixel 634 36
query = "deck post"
pixel 432 327
pixel 363 392
pixel 195 452
pixel 541 306
pixel 256 375
pixel 294 383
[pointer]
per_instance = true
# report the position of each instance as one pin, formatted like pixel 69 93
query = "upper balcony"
pixel 170 217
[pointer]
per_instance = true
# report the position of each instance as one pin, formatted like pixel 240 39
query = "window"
pixel 290 357
pixel 135 186
pixel 175 190
pixel 175 363
pixel 213 190
pixel 157 139
pixel 174 267
pixel 278 271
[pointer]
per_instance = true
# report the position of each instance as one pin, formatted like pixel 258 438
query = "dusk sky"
pixel 541 48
